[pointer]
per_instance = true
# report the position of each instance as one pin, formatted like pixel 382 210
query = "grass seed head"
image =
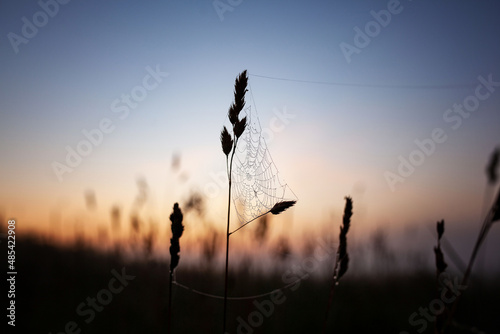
pixel 343 257
pixel 344 264
pixel 440 228
pixel 226 141
pixel 239 127
pixel 346 219
pixel 440 264
pixel 282 206
pixel 492 167
pixel 177 229
pixel 240 88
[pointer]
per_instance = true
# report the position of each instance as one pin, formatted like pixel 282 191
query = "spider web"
pixel 256 183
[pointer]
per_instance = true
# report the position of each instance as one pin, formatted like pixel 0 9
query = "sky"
pixel 351 91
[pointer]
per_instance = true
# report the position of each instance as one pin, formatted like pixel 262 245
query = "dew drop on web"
pixel 257 186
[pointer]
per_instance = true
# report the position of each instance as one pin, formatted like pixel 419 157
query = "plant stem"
pixel 169 302
pixel 227 236
pixel 480 239
pixel 332 291
pixel 227 258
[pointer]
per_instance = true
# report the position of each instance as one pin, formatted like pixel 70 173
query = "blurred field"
pixel 52 282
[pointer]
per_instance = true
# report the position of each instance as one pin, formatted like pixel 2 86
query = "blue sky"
pixel 344 136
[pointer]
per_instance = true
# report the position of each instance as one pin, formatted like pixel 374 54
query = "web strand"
pixel 210 295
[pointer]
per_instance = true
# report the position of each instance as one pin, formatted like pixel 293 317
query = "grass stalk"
pixel 341 257
pixel 177 230
pixel 229 144
pixel 228 235
pixel 169 316
pixel 492 216
pixel 440 269
pixel 332 293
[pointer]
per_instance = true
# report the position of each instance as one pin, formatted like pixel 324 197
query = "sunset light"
pixel 116 115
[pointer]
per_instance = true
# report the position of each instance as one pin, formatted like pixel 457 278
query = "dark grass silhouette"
pixel 492 216
pixel 229 144
pixel 175 248
pixel 341 258
pixel 441 266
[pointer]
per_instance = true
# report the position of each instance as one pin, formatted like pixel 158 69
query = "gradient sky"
pixel 344 135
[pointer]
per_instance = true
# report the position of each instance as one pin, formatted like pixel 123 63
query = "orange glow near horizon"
pixel 60 210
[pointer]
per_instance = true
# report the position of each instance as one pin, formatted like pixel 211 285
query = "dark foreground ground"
pixel 80 291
